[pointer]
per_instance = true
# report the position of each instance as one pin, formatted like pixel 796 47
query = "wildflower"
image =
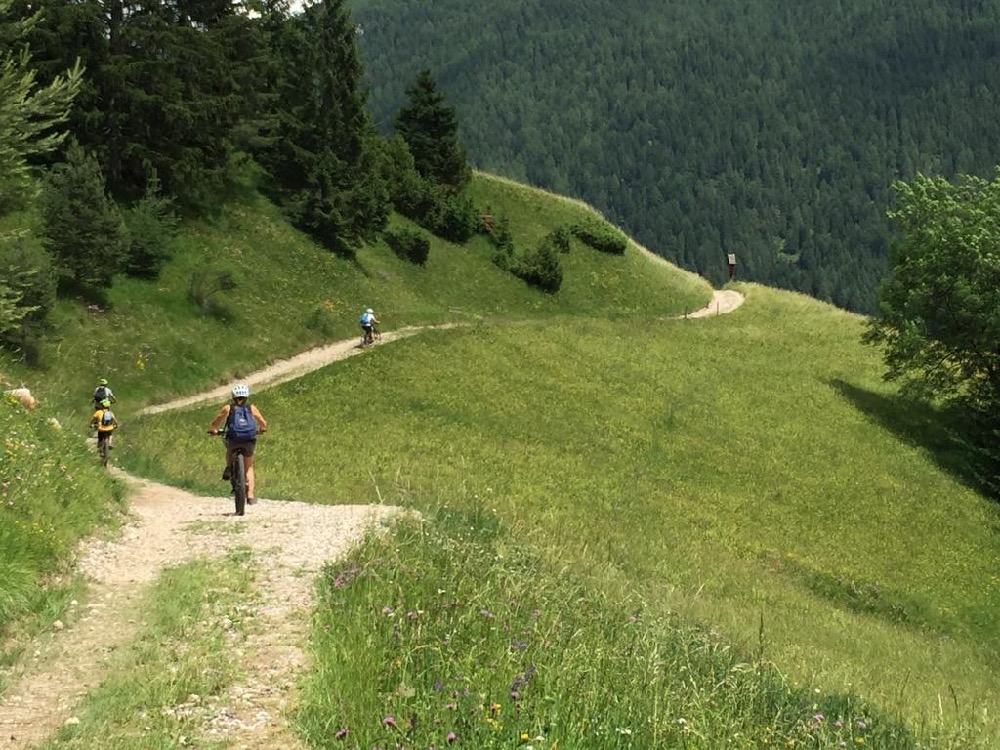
pixel 514 695
pixel 413 615
pixel 525 736
pixel 451 737
pixel 819 718
pixel 438 686
pixel 389 721
pixel 494 708
pixel 387 610
pixel 624 730
pixel 861 724
pixel 342 734
pixel 838 724
pixel 859 740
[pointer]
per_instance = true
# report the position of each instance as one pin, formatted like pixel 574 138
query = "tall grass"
pixel 460 635
pixel 52 492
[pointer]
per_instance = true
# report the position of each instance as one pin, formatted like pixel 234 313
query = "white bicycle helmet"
pixel 241 391
pixel 370 311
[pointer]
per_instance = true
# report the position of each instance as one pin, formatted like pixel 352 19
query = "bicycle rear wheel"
pixel 102 449
pixel 240 484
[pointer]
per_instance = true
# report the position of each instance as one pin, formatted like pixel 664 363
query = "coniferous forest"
pixel 769 129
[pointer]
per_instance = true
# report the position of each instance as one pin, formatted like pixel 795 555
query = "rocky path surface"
pixel 167 526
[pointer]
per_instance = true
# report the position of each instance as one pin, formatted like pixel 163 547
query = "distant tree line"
pixel 768 129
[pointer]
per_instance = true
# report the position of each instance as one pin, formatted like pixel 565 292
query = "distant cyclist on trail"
pixel 243 422
pixel 103 392
pixel 368 322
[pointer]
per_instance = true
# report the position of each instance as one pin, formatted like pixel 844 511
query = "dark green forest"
pixel 769 129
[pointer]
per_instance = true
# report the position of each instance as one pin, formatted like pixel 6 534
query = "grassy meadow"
pixel 656 531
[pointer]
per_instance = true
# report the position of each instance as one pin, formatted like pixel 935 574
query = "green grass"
pixel 749 472
pixel 727 469
pixel 461 635
pixel 52 493
pixel 159 689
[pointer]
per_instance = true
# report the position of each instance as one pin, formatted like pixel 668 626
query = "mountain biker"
pixel 239 407
pixel 103 391
pixel 368 322
pixel 104 422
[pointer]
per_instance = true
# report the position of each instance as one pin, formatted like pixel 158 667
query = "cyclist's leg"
pixel 248 452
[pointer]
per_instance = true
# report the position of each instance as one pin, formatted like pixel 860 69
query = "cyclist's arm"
pixel 261 422
pixel 219 418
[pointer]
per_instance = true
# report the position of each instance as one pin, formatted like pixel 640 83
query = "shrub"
pixel 540 267
pixel 560 238
pixel 409 244
pixel 601 236
pixel 452 216
pixel 204 285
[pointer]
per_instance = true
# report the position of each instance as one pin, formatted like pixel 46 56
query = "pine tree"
pixel 83 228
pixel 430 129
pixel 324 163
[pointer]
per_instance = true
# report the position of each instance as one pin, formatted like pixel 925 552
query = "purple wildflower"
pixel 342 734
pixel 389 721
pixel 451 737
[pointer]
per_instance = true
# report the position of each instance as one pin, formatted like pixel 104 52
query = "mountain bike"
pixel 103 446
pixel 237 472
pixel 369 337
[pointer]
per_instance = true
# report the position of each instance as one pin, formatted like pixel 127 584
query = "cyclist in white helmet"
pixel 243 422
pixel 368 322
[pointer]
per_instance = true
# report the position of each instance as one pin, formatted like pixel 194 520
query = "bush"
pixel 452 216
pixel 560 238
pixel 541 268
pixel 409 244
pixel 503 240
pixel 204 285
pixel 601 236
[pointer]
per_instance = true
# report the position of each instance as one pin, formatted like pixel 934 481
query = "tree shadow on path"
pixel 947 435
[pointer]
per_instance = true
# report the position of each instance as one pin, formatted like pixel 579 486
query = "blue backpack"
pixel 242 426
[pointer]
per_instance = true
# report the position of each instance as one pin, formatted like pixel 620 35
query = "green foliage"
pixel 52 492
pixel 703 128
pixel 28 113
pixel 82 225
pixel 409 244
pixel 451 216
pixel 151 226
pixel 540 267
pixel 461 634
pixel 601 236
pixel 204 286
pixel 430 129
pixel 28 288
pixel 325 164
pixel 135 112
pixel 939 317
pixel 560 238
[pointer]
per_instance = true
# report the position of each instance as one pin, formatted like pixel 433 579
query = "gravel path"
pixel 167 526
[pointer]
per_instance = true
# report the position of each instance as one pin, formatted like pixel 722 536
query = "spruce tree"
pixel 82 226
pixel 430 129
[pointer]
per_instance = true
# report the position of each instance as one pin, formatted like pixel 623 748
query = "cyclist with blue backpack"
pixel 368 322
pixel 243 422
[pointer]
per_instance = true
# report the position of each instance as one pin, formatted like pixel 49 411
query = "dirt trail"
pixel 167 526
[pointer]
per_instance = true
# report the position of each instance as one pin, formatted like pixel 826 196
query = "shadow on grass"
pixel 949 435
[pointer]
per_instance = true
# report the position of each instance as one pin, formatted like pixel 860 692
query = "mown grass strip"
pixel 160 689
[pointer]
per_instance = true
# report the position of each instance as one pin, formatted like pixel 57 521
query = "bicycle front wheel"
pixel 240 483
pixel 102 448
